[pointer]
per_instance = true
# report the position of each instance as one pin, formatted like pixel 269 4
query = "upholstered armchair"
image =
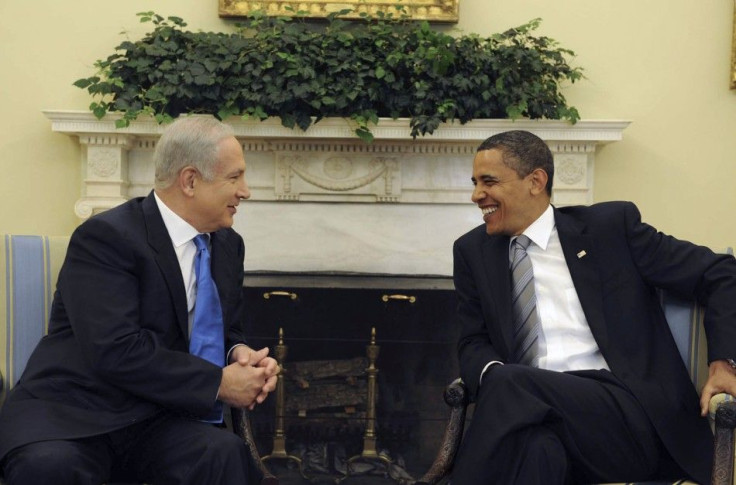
pixel 686 323
pixel 29 266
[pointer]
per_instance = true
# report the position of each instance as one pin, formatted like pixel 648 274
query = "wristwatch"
pixel 732 363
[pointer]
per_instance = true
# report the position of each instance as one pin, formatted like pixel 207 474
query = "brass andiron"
pixel 279 437
pixel 369 436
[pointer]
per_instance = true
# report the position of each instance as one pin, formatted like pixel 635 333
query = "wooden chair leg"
pixel 241 426
pixel 724 445
pixel 456 396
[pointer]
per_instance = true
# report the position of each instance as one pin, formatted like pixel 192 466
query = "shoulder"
pixel 116 234
pixel 117 220
pixel 601 209
pixel 230 241
pixel 603 216
pixel 475 236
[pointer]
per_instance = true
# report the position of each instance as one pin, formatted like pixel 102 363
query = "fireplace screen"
pixel 333 341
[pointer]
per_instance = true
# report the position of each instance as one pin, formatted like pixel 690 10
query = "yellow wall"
pixel 663 64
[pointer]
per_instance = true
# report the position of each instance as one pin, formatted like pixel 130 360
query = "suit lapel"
pixel 498 284
pixel 160 241
pixel 580 254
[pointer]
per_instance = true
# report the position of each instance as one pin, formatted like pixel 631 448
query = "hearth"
pixel 326 322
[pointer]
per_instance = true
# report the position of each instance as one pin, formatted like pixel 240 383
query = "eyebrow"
pixel 235 172
pixel 485 178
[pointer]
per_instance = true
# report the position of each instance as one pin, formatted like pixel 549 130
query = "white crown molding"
pixel 73 122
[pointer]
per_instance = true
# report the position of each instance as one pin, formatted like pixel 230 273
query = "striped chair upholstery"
pixel 29 266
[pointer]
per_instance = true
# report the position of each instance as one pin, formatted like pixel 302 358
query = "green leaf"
pixel 83 83
pixel 365 135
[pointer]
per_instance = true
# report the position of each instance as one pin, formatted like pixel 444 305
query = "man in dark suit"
pixel 579 381
pixel 112 392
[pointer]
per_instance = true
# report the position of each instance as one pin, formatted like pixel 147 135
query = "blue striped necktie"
pixel 526 320
pixel 208 339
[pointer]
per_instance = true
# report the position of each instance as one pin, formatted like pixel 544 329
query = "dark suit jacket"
pixel 117 346
pixel 625 261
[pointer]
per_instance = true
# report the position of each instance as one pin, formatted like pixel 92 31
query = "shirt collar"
pixel 541 229
pixel 180 231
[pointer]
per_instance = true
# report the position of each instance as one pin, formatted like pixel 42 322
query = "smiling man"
pixel 145 342
pixel 564 346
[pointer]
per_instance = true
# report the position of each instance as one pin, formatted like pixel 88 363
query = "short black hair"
pixel 523 152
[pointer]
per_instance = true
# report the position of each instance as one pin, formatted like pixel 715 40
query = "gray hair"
pixel 189 141
pixel 523 152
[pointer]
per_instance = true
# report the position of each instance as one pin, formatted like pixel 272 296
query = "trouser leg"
pixel 79 462
pixel 604 433
pixel 179 451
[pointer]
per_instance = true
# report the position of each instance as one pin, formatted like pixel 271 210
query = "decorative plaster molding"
pixel 328 163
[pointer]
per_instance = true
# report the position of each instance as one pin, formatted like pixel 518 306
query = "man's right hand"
pixel 248 380
pixel 242 384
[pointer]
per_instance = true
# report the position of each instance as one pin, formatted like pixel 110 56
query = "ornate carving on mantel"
pixel 328 163
pixel 323 175
pixel 105 179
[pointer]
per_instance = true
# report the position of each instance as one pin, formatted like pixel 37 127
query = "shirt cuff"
pixel 488 366
pixel 229 352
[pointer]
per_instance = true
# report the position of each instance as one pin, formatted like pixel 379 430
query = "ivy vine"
pixel 302 72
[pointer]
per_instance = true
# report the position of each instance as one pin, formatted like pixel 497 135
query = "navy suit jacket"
pixel 625 261
pixel 117 345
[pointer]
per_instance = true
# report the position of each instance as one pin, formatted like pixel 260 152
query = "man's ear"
pixel 539 179
pixel 187 180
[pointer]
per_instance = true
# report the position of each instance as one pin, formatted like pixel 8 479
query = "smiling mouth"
pixel 487 211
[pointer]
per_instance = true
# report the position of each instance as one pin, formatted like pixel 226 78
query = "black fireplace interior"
pixel 327 322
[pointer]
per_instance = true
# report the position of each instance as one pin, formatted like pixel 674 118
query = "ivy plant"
pixel 361 70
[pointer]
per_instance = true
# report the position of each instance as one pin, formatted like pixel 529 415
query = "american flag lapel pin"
pixel 581 254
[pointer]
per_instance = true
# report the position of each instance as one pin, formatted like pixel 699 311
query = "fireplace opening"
pixel 325 323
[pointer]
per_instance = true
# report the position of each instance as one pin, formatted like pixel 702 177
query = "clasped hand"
pixel 248 380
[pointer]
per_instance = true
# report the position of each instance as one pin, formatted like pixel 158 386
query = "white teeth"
pixel 488 210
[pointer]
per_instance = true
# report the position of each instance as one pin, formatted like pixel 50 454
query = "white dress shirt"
pixel 565 340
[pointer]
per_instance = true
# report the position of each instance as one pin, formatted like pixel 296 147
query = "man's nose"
pixel 244 191
pixel 477 194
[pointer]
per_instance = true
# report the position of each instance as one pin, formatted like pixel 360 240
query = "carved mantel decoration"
pixel 431 10
pixel 390 207
pixel 329 164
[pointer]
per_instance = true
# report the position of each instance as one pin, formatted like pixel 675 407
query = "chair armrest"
pixel 241 426
pixel 456 396
pixel 723 410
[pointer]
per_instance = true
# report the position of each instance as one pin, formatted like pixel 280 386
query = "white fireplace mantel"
pixel 333 175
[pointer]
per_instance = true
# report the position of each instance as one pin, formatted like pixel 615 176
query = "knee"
pixel 224 443
pixel 226 448
pixel 50 462
pixel 224 458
